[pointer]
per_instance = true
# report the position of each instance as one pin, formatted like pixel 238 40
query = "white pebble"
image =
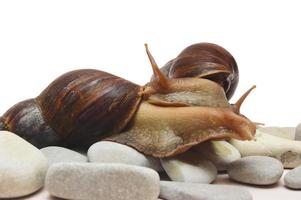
pixel 56 154
pixel 111 152
pixel 22 166
pixel 189 167
pixel 292 179
pixel 220 153
pixel 287 151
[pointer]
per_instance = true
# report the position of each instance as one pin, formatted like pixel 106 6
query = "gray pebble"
pixel 298 132
pixel 293 178
pixel 189 167
pixel 194 191
pixel 95 181
pixel 258 170
pixel 111 152
pixel 22 166
pixel 56 154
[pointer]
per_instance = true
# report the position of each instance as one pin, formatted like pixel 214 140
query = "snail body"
pixel 165 117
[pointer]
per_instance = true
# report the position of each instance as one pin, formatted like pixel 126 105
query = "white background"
pixel 40 40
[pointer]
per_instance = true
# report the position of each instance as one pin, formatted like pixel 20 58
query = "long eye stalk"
pixel 161 79
pixel 237 105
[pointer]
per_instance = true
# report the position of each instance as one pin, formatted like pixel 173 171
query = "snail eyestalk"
pixel 160 77
pixel 237 105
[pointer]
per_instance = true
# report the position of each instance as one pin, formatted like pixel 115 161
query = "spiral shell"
pixel 205 60
pixel 76 109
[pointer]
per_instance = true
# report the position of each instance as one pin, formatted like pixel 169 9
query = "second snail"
pixel 184 104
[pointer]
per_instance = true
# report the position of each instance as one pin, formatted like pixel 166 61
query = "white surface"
pixel 40 40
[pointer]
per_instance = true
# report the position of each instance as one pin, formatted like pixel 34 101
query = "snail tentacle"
pixel 160 78
pixel 237 105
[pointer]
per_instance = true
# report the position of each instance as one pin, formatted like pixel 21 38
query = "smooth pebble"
pixel 56 154
pixel 258 170
pixel 194 191
pixel 22 166
pixel 292 179
pixel 220 153
pixel 287 151
pixel 298 132
pixel 95 181
pixel 111 152
pixel 189 167
pixel 283 132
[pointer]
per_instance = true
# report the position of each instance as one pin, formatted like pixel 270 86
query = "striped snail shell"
pixel 78 108
pixel 205 60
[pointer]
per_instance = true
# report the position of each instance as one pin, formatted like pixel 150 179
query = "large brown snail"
pixel 165 117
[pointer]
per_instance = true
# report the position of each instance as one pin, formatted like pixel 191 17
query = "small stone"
pixel 22 166
pixel 283 132
pixel 220 153
pixel 298 133
pixel 56 154
pixel 258 170
pixel 292 179
pixel 287 151
pixel 111 152
pixel 95 181
pixel 194 191
pixel 189 167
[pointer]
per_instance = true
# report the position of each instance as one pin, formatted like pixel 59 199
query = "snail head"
pixel 194 91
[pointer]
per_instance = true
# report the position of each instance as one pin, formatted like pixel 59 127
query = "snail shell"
pixel 205 60
pixel 79 107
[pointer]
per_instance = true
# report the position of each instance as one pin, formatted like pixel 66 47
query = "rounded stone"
pixel 286 151
pixel 220 153
pixel 193 191
pixel 283 132
pixel 22 166
pixel 95 181
pixel 298 132
pixel 189 167
pixel 56 154
pixel 258 170
pixel 292 179
pixel 111 152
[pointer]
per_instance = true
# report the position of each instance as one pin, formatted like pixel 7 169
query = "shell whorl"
pixel 85 105
pixel 26 120
pixel 205 60
pixel 2 124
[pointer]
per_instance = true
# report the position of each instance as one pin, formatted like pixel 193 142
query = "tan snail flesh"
pixel 180 113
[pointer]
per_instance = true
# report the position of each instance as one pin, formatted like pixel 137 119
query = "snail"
pixel 205 60
pixel 165 117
